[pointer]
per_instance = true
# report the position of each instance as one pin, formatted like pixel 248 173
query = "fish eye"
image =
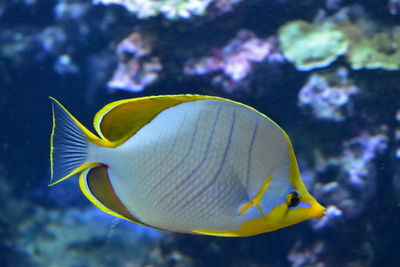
pixel 293 199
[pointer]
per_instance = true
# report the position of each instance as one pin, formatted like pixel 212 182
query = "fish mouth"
pixel 317 211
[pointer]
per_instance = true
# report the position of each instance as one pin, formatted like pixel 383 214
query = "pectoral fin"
pixel 256 199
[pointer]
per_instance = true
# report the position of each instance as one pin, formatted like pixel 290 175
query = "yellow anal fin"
pixel 216 233
pixel 256 199
pixel 95 185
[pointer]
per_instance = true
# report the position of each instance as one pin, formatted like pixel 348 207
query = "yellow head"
pixel 298 206
pixel 292 205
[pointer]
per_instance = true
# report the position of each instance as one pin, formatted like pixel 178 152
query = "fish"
pixel 192 164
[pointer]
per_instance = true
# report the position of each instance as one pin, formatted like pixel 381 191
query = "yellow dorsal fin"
pixel 119 120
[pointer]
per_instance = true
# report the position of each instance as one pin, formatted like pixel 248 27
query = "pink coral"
pixel 356 180
pixel 135 69
pixel 327 95
pixel 235 60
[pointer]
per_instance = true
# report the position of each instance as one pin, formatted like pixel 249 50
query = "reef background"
pixel 327 71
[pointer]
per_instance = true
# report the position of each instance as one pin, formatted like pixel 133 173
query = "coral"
pixel 222 6
pixel 70 49
pixel 300 255
pixel 332 213
pixel 16 45
pixel 356 181
pixel 371 46
pixel 71 9
pixel 53 235
pixel 135 71
pixel 332 4
pixel 324 252
pixel 382 51
pixel 311 46
pixel 171 9
pixel 159 256
pixel 397 134
pixel 64 64
pixel 22 45
pixel 328 95
pixel 396 179
pixel 318 44
pixel 68 236
pixel 52 40
pixel 71 237
pixel 358 155
pixel 235 59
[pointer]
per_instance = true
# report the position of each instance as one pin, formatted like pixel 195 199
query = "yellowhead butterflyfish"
pixel 184 163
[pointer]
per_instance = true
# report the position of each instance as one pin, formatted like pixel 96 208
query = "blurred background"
pixel 327 71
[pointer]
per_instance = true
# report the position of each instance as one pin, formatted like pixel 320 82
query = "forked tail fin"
pixel 69 144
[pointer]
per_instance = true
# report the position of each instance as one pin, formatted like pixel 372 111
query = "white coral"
pixel 171 9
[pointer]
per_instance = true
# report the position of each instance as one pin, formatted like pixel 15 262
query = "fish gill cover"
pixel 327 71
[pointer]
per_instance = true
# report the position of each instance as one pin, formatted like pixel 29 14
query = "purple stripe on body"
pixel 182 186
pixel 164 179
pixel 214 179
pixel 170 152
pixel 250 153
pixel 154 150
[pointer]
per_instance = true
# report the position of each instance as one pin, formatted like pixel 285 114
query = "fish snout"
pixel 317 210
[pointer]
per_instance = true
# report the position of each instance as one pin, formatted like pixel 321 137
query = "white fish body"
pixel 196 165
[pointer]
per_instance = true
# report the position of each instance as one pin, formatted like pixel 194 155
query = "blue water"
pixel 350 164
